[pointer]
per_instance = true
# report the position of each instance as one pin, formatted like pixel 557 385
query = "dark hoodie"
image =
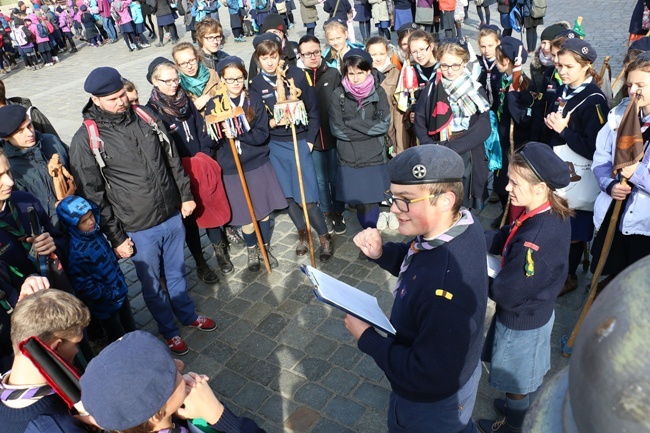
pixel 94 271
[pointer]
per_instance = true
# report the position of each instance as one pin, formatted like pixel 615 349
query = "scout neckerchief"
pixel 424 78
pixel 556 75
pixel 565 97
pixel 488 82
pixel 240 104
pixel 514 227
pixel 506 81
pixel 272 80
pixel 33 393
pixel 15 229
pixel 421 244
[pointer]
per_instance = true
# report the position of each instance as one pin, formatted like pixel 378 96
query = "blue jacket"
pixel 341 12
pixel 94 271
pixel 438 341
pixel 29 168
pixel 136 12
pixel 234 6
pixel 527 301
pixel 334 62
pixel 635 218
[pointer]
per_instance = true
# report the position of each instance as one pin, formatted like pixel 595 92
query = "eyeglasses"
pixel 420 51
pixel 237 80
pixel 213 38
pixel 168 83
pixel 454 67
pixel 314 54
pixel 403 203
pixel 189 63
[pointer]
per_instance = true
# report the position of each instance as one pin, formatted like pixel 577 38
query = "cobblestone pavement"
pixel 279 355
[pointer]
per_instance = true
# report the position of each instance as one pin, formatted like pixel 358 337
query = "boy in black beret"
pixel 432 362
pixel 135 385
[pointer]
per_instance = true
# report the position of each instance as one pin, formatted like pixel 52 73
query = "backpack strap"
pixel 96 146
pixel 162 137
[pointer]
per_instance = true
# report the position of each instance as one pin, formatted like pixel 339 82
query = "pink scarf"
pixel 359 91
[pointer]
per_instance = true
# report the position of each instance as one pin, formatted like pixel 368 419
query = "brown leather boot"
pixel 326 247
pixel 570 284
pixel 303 242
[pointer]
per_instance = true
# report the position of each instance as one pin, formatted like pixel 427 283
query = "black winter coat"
pixel 324 79
pixel 143 183
pixel 360 131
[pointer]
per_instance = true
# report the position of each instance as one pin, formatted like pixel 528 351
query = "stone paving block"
pixel 237 332
pixel 372 395
pixel 346 356
pixel 312 368
pixel 205 365
pixel 277 409
pixel 321 347
pixel 312 315
pixel 219 352
pixel 257 345
pixel 262 372
pixel 224 320
pixel 137 303
pixel 227 383
pixel 313 395
pixel 289 308
pixel 251 396
pixel 368 369
pixel 134 288
pixel 254 292
pixel 344 410
pixel 335 265
pixel 334 327
pixel 272 325
pixel 357 271
pixel 257 313
pixel 199 340
pixel 326 425
pixel 278 294
pixel 304 293
pixel 237 306
pixel 372 421
pixel 241 362
pixel 301 420
pixel 295 335
pixel 285 356
pixel 340 381
pixel 286 383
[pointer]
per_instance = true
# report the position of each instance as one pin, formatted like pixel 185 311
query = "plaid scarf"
pixel 177 106
pixel 464 96
pixel 421 244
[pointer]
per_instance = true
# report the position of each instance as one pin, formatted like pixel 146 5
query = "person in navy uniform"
pixel 432 363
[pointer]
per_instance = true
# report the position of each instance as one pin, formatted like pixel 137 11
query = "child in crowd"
pixel 96 275
pixel 489 38
pixel 138 23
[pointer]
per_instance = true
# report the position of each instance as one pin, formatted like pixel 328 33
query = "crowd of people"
pixel 425 127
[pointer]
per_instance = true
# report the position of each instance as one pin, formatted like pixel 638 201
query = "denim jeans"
pixel 160 249
pixel 451 415
pixel 109 26
pixel 326 174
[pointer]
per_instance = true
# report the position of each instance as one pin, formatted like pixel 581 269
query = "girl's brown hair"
pixel 486 31
pixel 583 62
pixel 421 35
pixel 559 205
pixel 187 46
pixel 207 26
pixel 266 48
pixel 501 57
pixel 248 110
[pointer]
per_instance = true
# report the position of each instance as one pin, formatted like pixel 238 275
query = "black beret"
pixel 129 381
pixel 230 60
pixel 642 44
pixel 336 20
pixel 11 116
pixel 551 32
pixel 154 63
pixel 492 27
pixel 581 48
pixel 568 33
pixel 510 48
pixel 83 8
pixel 273 22
pixel 103 81
pixel 358 52
pixel 266 37
pixel 409 27
pixel 546 165
pixel 59 9
pixel 429 163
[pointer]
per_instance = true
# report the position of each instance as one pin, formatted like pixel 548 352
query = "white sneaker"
pixel 382 221
pixel 393 224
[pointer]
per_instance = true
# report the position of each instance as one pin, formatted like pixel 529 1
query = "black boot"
pixel 303 242
pixel 223 258
pixel 253 258
pixel 204 272
pixel 273 262
pixel 326 247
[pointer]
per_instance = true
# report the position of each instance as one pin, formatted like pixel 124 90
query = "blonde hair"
pixel 452 48
pixel 335 25
pixel 48 315
pixel 161 67
pixel 486 31
pixel 187 46
pixel 558 204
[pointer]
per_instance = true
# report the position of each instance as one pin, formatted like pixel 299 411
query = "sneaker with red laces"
pixel 177 346
pixel 203 323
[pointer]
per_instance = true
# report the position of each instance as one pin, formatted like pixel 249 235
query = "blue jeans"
pixel 160 249
pixel 451 415
pixel 109 26
pixel 326 174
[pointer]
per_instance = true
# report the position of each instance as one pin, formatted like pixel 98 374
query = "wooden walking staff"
pixel 628 151
pixel 235 120
pixel 290 112
pixel 516 83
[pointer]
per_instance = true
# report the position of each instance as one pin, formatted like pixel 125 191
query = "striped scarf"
pixel 464 96
pixel 421 244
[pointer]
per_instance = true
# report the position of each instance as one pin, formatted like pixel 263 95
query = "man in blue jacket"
pixel 432 362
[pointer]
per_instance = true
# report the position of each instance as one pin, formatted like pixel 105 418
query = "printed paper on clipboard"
pixel 348 299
